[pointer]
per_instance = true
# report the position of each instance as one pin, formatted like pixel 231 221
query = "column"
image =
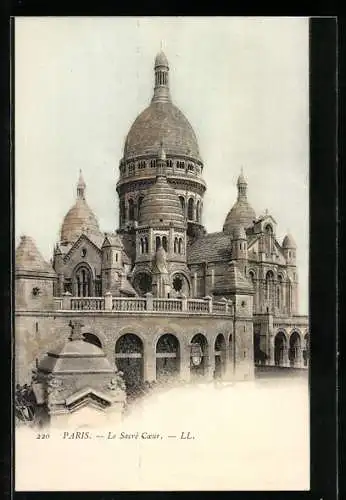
pixel 66 301
pixel 185 372
pixel 285 360
pixel 299 359
pixel 149 362
pixel 210 363
pixel 271 351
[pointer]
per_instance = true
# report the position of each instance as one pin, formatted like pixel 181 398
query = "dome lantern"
pixel 161 89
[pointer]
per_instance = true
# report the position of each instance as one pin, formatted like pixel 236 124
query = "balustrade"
pixel 142 304
pixel 87 303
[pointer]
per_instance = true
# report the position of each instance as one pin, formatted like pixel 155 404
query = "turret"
pixel 112 264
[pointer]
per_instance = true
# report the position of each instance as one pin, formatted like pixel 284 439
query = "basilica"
pixel 160 296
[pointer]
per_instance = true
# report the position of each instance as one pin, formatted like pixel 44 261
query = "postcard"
pixel 161 265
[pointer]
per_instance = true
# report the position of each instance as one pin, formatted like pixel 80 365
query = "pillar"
pixel 185 371
pixel 210 365
pixel 149 362
pixel 271 361
pixel 108 301
pixel 285 360
pixel 66 301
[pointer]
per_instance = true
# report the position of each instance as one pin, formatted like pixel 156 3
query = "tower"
pixel 241 214
pixel 289 248
pixel 239 247
pixel 112 265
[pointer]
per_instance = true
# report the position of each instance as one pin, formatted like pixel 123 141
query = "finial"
pixel 266 211
pixel 161 45
pixel 76 330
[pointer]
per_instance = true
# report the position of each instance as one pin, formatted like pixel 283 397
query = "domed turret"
pixel 80 218
pixel 288 242
pixel 241 214
pixel 161 205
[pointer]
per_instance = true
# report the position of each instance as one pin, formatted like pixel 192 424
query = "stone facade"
pixel 160 293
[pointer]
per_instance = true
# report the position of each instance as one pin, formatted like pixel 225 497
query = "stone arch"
pixel 91 338
pixel 129 359
pixel 220 353
pixel 167 353
pixel 280 348
pixel 182 203
pixel 185 282
pixel 199 355
pixel 83 280
pixel 295 348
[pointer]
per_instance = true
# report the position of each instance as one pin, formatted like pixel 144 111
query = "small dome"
pixel 161 59
pixel 241 214
pixel 161 205
pixel 288 242
pixel 239 233
pixel 29 259
pixel 80 218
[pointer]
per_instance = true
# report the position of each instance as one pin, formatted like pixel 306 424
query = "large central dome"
pixel 161 122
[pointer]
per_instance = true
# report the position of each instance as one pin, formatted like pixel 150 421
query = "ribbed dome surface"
pixel 241 214
pixel 288 242
pixel 161 205
pixel 80 218
pixel 161 122
pixel 239 233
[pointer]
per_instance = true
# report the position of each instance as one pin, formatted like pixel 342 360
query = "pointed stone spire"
pixel 81 187
pixel 161 89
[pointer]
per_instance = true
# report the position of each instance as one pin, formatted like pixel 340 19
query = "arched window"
pixel 164 243
pixel 279 292
pixel 152 163
pixel 131 210
pixel 83 282
pixel 141 246
pixel 190 209
pixel 180 245
pixel 139 204
pixel 175 245
pixel 158 242
pixel 269 285
pixel 182 203
pixel 146 246
pixel 198 211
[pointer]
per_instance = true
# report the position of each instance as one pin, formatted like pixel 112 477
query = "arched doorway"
pixel 167 357
pixel 198 356
pixel 129 360
pixel 280 345
pixel 220 356
pixel 92 339
pixel 295 349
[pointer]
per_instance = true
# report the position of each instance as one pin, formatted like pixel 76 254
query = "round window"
pixel 177 283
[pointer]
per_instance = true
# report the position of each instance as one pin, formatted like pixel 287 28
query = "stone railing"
pixel 148 303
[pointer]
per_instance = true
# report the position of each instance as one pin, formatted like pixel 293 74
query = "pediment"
pixel 83 240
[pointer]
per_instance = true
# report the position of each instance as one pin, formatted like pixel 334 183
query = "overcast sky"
pixel 241 82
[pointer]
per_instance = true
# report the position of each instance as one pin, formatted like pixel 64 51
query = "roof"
pixel 80 218
pixel 127 289
pixel 241 214
pixel 161 122
pixel 288 242
pixel 233 281
pixel 29 260
pixel 213 247
pixel 161 205
pixel 161 59
pixel 76 356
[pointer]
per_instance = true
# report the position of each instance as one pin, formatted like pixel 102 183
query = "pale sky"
pixel 242 83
